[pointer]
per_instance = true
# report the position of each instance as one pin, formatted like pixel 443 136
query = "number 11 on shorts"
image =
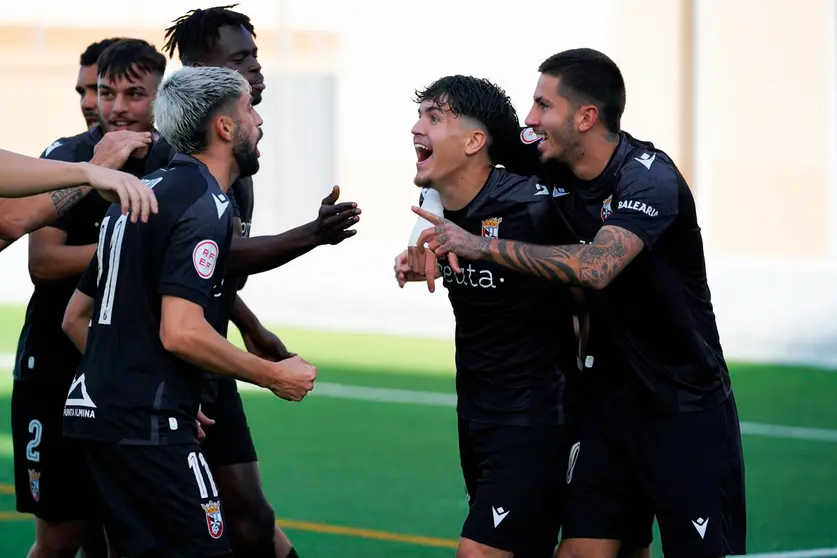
pixel 196 460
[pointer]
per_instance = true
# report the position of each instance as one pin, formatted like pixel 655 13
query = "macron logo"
pixel 221 204
pixel 646 160
pixel 52 148
pixel 701 524
pixel 542 190
pixel 499 515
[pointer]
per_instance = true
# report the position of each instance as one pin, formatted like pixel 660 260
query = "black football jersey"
pixel 44 350
pixel 654 338
pixel 129 389
pixel 514 332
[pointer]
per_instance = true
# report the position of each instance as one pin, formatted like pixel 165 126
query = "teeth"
pixel 422 146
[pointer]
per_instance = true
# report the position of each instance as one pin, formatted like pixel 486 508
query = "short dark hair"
pixel 126 58
pixel 194 35
pixel 482 101
pixel 589 76
pixel 94 50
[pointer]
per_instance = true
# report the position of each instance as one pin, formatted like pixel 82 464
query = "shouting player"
pixel 663 435
pixel 510 360
pixel 222 37
pixel 133 403
pixel 46 465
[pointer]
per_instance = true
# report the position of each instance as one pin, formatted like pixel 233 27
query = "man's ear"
pixel 225 126
pixel 476 140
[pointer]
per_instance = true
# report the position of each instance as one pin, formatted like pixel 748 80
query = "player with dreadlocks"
pixel 222 37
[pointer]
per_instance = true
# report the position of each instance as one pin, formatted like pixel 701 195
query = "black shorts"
pixel 685 468
pixel 51 479
pixel 514 477
pixel 158 500
pixel 228 441
pixel 639 525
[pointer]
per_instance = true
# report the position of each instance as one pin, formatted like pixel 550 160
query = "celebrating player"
pixel 510 361
pixel 45 464
pixel 664 435
pixel 225 38
pixel 148 295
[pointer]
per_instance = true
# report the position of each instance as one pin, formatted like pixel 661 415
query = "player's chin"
pixel 422 179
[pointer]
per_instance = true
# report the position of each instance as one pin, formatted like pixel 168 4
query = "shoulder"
pixel 515 188
pixel 648 168
pixel 179 188
pixel 69 148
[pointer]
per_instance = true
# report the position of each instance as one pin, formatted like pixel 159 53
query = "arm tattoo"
pixel 65 199
pixel 592 265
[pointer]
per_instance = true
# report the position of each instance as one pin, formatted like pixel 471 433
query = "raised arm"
pixel 648 204
pixel 263 253
pixel 49 186
pixel 592 265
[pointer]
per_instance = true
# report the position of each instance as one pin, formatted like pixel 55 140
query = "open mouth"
pixel 423 152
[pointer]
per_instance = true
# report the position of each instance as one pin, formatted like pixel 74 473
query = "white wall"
pixel 776 308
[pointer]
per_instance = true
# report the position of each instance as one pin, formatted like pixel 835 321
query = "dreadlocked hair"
pixel 193 35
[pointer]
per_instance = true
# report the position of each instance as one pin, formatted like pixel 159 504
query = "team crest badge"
pixel 491 227
pixel 214 519
pixel 35 484
pixel 606 210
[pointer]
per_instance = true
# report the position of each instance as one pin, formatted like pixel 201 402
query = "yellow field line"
pixel 292 524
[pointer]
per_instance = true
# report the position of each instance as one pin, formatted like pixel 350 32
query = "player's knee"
pixel 253 531
pixel 54 549
pixel 56 540
pixel 472 549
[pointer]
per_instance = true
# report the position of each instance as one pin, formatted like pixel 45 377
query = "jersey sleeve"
pixel 192 253
pixel 646 201
pixel 88 282
pixel 60 150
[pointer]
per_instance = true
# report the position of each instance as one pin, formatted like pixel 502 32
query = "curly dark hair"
pixel 482 101
pixel 194 35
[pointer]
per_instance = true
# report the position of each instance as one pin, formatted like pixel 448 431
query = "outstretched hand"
pixel 334 220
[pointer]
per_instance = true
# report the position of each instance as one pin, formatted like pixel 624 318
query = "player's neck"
pixel 462 187
pixel 595 155
pixel 224 171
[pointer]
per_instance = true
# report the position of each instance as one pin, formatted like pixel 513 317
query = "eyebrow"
pixel 245 52
pixel 132 89
pixel 541 99
pixel 433 108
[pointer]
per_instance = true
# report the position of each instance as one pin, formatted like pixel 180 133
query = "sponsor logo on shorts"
pixel 499 515
pixel 701 525
pixel 35 484
pixel 214 519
